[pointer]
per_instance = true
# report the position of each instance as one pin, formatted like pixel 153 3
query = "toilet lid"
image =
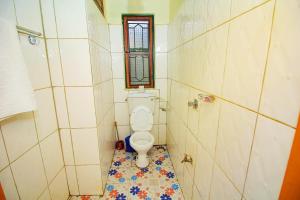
pixel 141 119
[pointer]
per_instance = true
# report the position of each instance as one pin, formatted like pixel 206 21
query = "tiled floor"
pixel 155 182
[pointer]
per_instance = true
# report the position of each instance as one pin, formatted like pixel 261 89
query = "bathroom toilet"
pixel 141 121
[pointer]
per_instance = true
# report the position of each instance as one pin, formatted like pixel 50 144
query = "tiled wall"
pixel 80 64
pixel 67 144
pixel 120 91
pixel 243 53
pixel 31 159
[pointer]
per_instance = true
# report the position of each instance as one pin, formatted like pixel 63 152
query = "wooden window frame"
pixel 150 19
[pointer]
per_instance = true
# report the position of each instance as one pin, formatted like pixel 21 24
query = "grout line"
pixel 9 164
pixel 239 105
pixel 217 26
pixel 260 97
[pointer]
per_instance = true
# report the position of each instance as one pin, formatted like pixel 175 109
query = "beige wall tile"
pixel 49 21
pixel 71 18
pixel 203 173
pixel 36 62
pixel 8 185
pixel 54 62
pixel 45 195
pixel 52 155
pixel 237 7
pixel 59 187
pixel 19 130
pixel 28 14
pixel 81 107
pixel 218 12
pixel 45 114
pixel 23 170
pixel 75 60
pixel 72 180
pixel 89 179
pixel 67 146
pixel 200 16
pixel 222 188
pixel 61 107
pixel 281 93
pixel 270 153
pixel 208 125
pixel 246 56
pixel 4 160
pixel 86 150
pixel 235 135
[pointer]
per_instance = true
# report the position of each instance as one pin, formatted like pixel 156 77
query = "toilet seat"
pixel 141 119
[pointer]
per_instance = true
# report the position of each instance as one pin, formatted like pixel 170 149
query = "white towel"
pixel 16 94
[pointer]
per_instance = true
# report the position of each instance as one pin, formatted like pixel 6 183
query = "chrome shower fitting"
pixel 193 103
pixel 187 158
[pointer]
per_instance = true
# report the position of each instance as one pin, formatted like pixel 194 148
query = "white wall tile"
pixel 161 84
pixel 282 76
pixel 81 107
pixel 49 22
pixel 7 10
pixel 124 131
pixel 61 107
pixel 71 18
pixel 72 180
pixel 187 186
pixel 8 185
pixel 116 38
pixel 120 93
pixel 89 179
pixel 235 135
pixel 161 34
pixel 118 65
pixel 59 187
pixel 86 150
pixel 29 167
pixel 45 114
pixel 52 155
pixel 270 154
pixel 67 147
pixel 75 60
pixel 161 65
pixel 28 14
pixel 222 188
pixel 19 130
pixel 54 62
pixel 122 113
pixel 162 131
pixel 246 58
pixel 36 62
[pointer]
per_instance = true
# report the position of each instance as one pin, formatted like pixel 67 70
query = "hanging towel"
pixel 16 93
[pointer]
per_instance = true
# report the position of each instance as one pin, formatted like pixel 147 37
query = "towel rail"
pixel 27 31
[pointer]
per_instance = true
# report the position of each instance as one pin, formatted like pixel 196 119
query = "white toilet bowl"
pixel 142 142
pixel 141 121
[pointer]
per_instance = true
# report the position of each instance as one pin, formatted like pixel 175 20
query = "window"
pixel 138 47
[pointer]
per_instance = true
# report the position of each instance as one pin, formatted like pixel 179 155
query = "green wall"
pixel 159 8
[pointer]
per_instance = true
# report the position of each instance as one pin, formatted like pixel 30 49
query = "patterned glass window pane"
pixel 139 50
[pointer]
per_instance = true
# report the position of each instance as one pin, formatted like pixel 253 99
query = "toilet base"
pixel 142 161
